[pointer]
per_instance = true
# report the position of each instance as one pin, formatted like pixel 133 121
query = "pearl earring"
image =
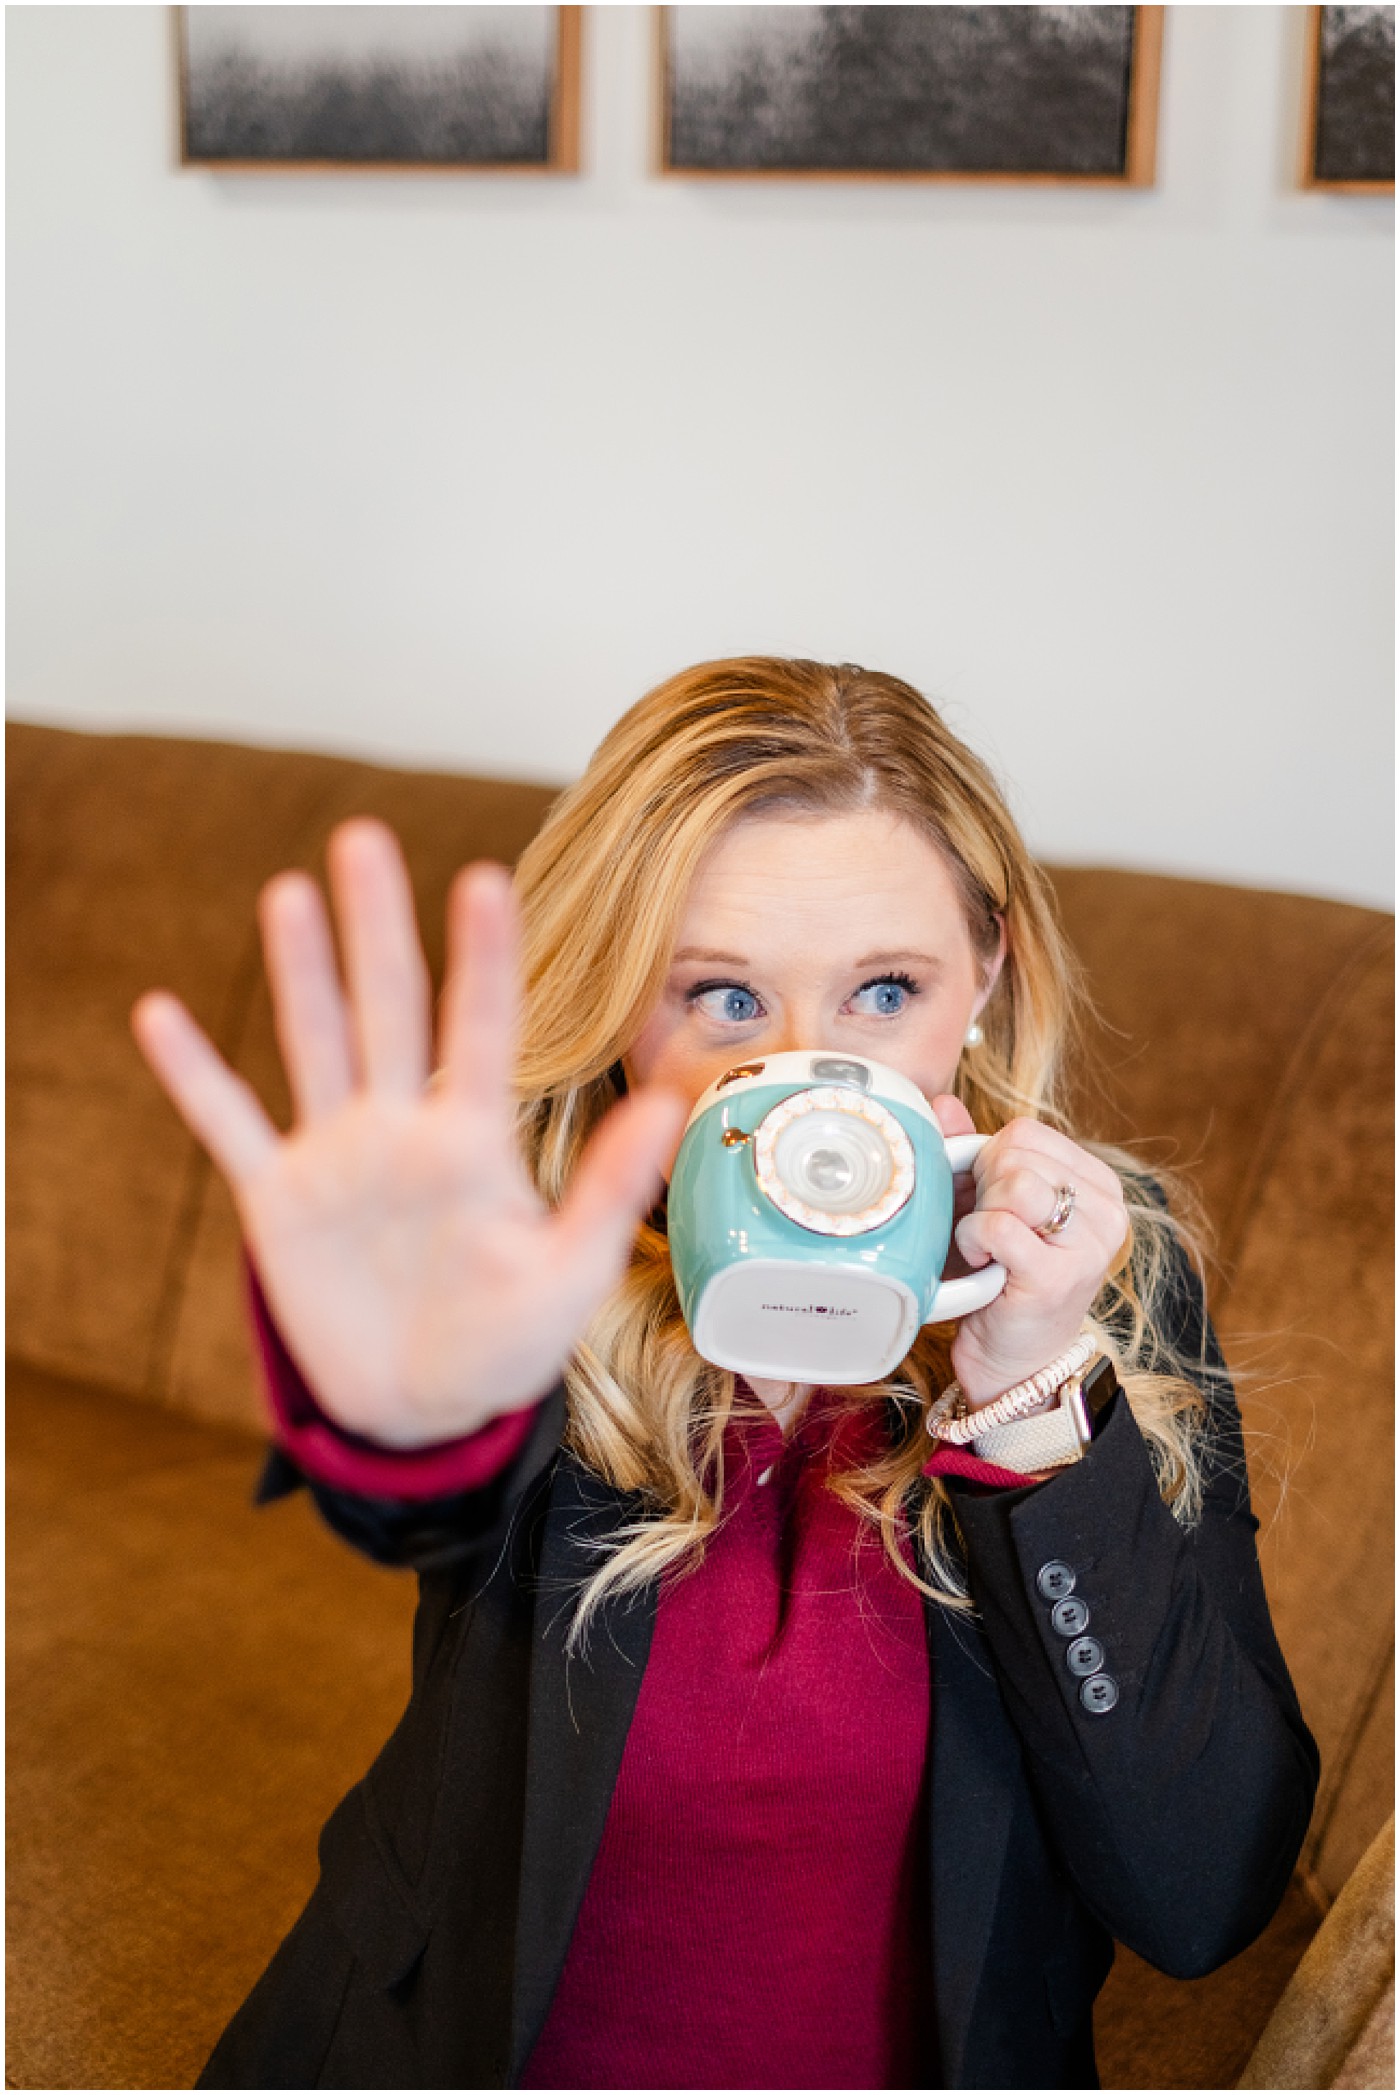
pixel 973 1035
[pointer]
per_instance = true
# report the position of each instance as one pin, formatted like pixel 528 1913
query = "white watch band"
pixel 1048 1441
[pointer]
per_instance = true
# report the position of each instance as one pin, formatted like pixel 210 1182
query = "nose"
pixel 802 1026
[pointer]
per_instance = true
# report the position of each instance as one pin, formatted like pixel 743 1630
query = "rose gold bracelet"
pixel 950 1418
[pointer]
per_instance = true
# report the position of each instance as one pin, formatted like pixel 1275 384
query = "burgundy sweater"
pixel 756 1912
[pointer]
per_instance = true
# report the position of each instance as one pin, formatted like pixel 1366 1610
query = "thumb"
pixel 952 1115
pixel 618 1177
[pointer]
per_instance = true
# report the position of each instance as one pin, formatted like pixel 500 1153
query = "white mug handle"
pixel 958 1298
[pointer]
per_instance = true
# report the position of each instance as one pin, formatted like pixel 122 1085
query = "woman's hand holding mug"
pixel 419 1281
pixel 1051 1281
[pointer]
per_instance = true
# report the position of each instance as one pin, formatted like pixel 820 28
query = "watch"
pixel 1055 1438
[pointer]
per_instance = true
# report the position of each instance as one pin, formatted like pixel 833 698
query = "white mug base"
pixel 790 1321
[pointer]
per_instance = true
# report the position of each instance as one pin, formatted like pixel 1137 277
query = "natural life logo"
pixel 809 1309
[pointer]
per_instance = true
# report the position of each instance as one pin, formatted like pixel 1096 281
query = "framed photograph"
pixel 986 94
pixel 466 88
pixel 1349 99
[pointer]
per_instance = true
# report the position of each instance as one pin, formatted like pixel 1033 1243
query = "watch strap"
pixel 1053 1439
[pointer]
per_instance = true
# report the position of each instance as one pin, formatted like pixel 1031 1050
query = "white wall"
pixel 450 469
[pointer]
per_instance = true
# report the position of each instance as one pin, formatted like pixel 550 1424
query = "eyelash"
pixel 903 981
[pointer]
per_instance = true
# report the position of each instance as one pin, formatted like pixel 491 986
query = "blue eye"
pixel 736 1004
pixel 891 992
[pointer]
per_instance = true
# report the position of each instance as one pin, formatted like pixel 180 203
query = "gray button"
pixel 1098 1694
pixel 1085 1655
pixel 1069 1617
pixel 1054 1581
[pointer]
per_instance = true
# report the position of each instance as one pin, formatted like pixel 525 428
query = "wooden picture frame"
pixel 532 68
pixel 1348 102
pixel 1136 115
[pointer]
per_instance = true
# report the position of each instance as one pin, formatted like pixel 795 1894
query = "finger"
pixel 1064 1158
pixel 384 964
pixel 1023 1189
pixel 1054 1172
pixel 952 1115
pixel 216 1106
pixel 313 1027
pixel 618 1179
pixel 1019 1191
pixel 995 1233
pixel 481 997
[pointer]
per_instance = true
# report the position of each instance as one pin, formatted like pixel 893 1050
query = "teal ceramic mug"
pixel 810 1216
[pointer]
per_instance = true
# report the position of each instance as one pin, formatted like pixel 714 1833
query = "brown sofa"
pixel 193 1683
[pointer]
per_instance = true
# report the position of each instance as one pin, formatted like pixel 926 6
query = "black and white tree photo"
pixel 900 90
pixel 403 86
pixel 1354 123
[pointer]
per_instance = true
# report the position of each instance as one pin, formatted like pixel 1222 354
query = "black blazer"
pixel 452 1875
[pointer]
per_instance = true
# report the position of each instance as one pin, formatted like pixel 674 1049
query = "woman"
pixel 759 1736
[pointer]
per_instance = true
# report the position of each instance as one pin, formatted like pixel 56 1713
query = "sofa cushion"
pixel 1335 2025
pixel 193 1682
pixel 1205 999
pixel 1310 1321
pixel 129 865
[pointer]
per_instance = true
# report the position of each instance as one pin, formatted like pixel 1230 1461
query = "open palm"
pixel 416 1276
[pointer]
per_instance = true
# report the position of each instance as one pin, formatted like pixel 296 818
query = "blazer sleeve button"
pixel 1054 1581
pixel 1085 1655
pixel 1069 1618
pixel 1099 1693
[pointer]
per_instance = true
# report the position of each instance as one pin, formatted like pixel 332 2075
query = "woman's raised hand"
pixel 416 1276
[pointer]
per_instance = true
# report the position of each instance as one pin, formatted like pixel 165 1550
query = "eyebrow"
pixel 888 958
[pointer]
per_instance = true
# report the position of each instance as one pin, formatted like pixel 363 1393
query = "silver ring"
pixel 1065 1197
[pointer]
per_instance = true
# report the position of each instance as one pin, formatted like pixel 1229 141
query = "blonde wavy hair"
pixel 602 888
